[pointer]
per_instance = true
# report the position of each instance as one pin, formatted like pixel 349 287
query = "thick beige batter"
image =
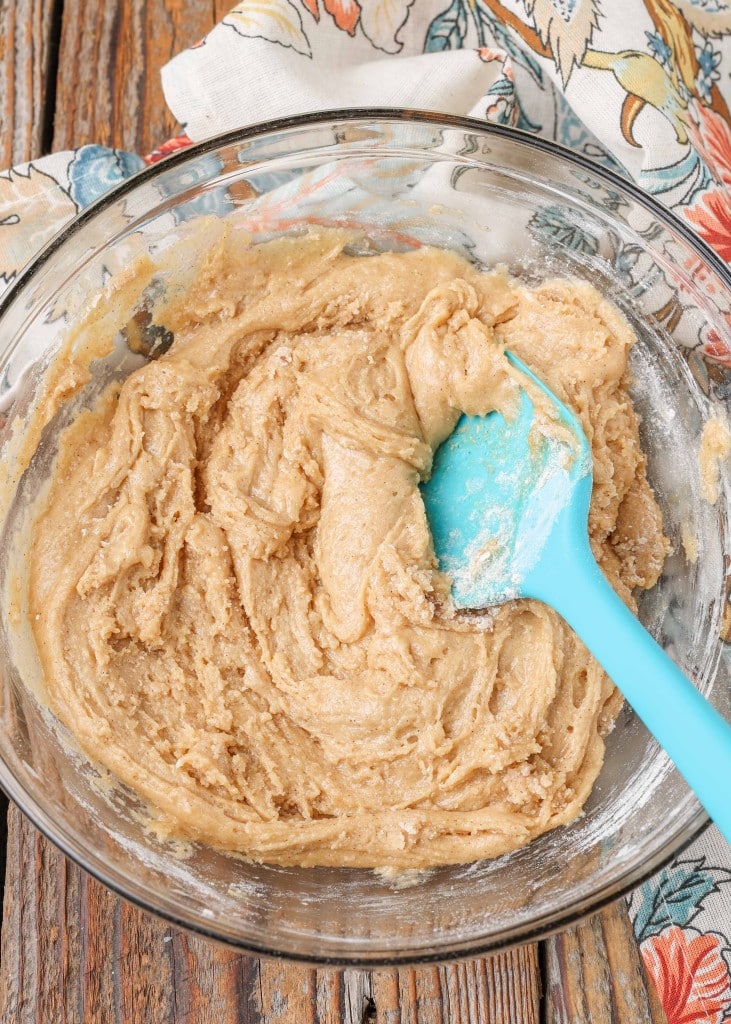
pixel 234 593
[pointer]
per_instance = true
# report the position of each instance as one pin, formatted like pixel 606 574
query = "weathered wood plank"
pixel 108 87
pixel 26 29
pixel 73 952
pixel 221 8
pixel 503 989
pixel 594 973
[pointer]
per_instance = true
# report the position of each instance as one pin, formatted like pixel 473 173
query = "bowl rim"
pixel 532 931
pixel 396 115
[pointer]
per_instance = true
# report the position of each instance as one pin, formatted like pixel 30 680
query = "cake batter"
pixel 233 588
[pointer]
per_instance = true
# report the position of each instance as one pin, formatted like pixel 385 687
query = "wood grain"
pixel 594 973
pixel 108 88
pixel 26 46
pixel 501 990
pixel 73 952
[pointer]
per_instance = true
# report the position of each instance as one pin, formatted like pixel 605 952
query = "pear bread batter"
pixel 233 589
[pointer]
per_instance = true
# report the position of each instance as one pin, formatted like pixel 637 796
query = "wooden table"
pixel 78 71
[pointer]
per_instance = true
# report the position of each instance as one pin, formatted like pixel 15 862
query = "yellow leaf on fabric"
pixel 642 76
pixel 277 21
pixel 675 32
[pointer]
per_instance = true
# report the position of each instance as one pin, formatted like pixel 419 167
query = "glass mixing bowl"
pixel 406 178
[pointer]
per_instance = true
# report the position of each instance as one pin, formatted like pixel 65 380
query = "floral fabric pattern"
pixel 690 975
pixel 641 86
pixel 678 927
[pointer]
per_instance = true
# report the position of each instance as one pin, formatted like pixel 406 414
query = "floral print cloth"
pixel 640 85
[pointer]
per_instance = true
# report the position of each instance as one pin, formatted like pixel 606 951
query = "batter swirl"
pixel 233 589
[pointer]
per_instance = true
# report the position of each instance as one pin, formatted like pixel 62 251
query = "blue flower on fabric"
pixel 708 73
pixel 709 59
pixel 178 180
pixel 96 169
pixel 659 48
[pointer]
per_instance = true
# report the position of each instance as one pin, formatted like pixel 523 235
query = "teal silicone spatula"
pixel 508 508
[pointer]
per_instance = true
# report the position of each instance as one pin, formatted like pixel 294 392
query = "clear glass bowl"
pixel 499 197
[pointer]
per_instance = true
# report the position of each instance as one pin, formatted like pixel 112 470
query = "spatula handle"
pixel 694 734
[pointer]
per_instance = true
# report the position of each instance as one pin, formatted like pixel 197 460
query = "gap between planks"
pixel 28 29
pixel 74 952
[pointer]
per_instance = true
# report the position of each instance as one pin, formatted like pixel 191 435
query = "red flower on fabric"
pixel 380 21
pixel 488 55
pixel 711 217
pixel 710 134
pixel 166 148
pixel 345 13
pixel 690 974
pixel 715 346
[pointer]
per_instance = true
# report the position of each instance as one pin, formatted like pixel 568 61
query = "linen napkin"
pixel 642 86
